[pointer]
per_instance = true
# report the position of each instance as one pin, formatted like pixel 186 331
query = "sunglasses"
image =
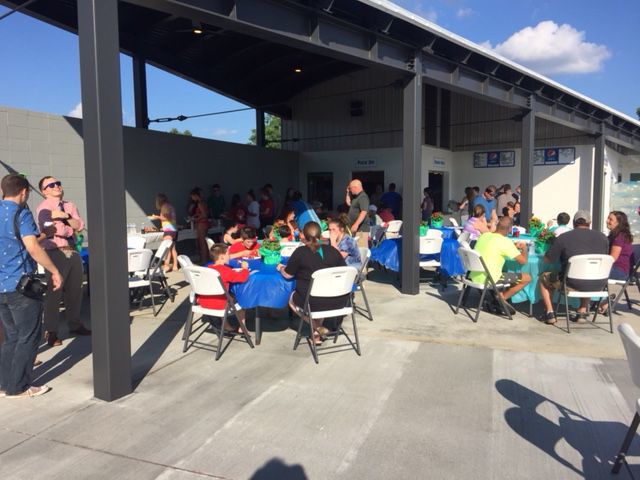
pixel 52 184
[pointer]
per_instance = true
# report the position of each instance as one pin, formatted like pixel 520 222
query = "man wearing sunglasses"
pixel 59 222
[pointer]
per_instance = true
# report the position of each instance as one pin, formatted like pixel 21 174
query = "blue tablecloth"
pixel 266 287
pixel 389 251
pixel 534 266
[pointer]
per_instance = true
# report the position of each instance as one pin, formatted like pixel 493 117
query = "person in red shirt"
pixel 220 257
pixel 266 208
pixel 248 247
pixel 385 214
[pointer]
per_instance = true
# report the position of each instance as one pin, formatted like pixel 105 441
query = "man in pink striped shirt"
pixel 59 221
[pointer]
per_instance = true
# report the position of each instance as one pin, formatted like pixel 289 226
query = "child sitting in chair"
pixel 220 257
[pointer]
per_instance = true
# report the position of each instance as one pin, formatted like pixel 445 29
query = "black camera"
pixel 31 286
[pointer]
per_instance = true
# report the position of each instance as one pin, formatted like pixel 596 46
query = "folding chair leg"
pixel 484 292
pixel 221 336
pixel 187 332
pixel 298 334
pixel 355 333
pixel 153 301
pixel 312 344
pixel 610 312
pixel 366 303
pixel 462 293
pixel 626 297
pixel 245 333
pixel 566 308
pixel 620 459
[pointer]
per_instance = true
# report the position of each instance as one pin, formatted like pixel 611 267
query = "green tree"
pixel 272 132
pixel 638 112
pixel 175 131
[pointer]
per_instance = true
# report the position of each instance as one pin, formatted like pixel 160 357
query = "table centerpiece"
pixel 535 226
pixel 437 220
pixel 270 252
pixel 423 228
pixel 543 241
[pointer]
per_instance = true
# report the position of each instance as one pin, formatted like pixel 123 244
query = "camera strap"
pixel 16 231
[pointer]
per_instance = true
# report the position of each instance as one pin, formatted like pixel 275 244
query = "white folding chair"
pixel 430 246
pixel 326 234
pixel 464 239
pixel 330 283
pixel 210 242
pixel 587 267
pixel 631 344
pixel 184 261
pixel 145 278
pixel 393 229
pixel 136 242
pixel 472 262
pixel 433 233
pixel 365 255
pixel 206 281
pixel 376 234
pixel 138 263
pixel 453 222
pixel 632 279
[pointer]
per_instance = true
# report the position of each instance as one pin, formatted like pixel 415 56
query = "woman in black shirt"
pixel 304 261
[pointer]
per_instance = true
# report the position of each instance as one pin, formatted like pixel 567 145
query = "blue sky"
pixel 589 46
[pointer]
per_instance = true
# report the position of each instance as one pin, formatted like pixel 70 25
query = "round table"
pixel 265 288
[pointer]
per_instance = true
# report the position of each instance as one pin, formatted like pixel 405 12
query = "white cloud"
pixel 223 132
pixel 428 13
pixel 549 48
pixel 76 112
pixel 464 12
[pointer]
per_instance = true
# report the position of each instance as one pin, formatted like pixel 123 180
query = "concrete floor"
pixel 433 396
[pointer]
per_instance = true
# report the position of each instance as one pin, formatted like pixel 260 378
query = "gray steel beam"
pixel 598 182
pixel 104 176
pixel 140 92
pixel 411 178
pixel 526 168
pixel 260 138
pixel 294 24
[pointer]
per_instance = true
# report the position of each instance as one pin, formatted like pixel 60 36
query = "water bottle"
pixel 142 227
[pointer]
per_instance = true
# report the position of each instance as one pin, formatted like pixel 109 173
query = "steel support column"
pixel 598 182
pixel 104 173
pixel 411 178
pixel 140 92
pixel 260 138
pixel 526 167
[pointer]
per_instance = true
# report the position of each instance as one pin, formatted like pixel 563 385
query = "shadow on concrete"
pixel 276 469
pixel 66 358
pixel 596 442
pixel 148 354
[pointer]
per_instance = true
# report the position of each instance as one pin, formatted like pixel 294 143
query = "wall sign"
pixel 496 159
pixel 554 156
pixel 439 162
pixel 365 162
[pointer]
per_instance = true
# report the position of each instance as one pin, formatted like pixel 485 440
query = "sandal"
pixel 31 392
pixel 580 317
pixel 603 309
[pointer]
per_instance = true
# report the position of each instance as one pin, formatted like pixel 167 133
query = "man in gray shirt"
pixel 358 202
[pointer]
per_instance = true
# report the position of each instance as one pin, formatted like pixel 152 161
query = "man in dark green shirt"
pixel 215 202
pixel 358 202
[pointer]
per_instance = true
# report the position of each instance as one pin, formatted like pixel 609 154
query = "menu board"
pixel 554 156
pixel 494 159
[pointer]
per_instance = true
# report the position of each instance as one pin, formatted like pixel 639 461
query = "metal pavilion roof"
pixel 249 50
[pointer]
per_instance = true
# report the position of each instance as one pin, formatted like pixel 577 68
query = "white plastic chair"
pixel 206 281
pixel 464 238
pixel 376 234
pixel 472 262
pixel 330 283
pixel 210 242
pixel 453 222
pixel 587 267
pixel 184 261
pixel 326 234
pixel 434 233
pixel 632 279
pixel 136 242
pixel 393 229
pixel 430 246
pixel 365 256
pixel 138 263
pixel 145 278
pixel 631 344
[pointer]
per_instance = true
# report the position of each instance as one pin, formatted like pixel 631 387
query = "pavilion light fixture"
pixel 297 70
pixel 197 29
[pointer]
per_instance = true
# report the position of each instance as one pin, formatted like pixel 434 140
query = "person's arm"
pixel 347 198
pixel 615 251
pixel 39 255
pixel 281 268
pixel 522 258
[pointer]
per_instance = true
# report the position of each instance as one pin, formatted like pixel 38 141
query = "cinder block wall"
pixel 39 144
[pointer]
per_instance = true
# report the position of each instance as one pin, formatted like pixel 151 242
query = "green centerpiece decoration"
pixel 437 220
pixel 270 252
pixel 543 241
pixel 535 226
pixel 423 228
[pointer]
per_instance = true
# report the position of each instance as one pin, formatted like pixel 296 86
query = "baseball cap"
pixel 582 215
pixel 373 208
